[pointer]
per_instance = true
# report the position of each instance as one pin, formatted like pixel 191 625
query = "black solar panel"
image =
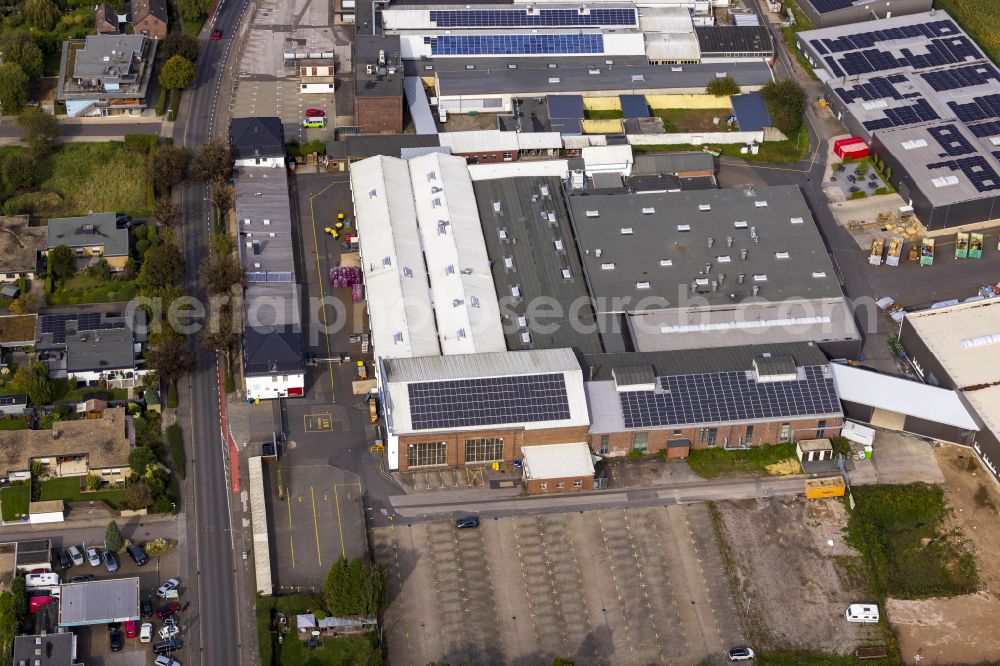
pixel 818 45
pixel 8 400
pixel 824 6
pixel 516 18
pixel 728 396
pixel 951 142
pixel 979 172
pixel 86 321
pixel 986 129
pixel 491 401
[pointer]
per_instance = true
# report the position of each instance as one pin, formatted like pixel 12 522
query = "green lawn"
pixel 85 289
pixel 816 659
pixel 910 554
pixel 979 18
pixel 193 28
pixel 15 423
pixel 175 439
pixel 693 120
pixel 602 114
pixel 14 501
pixel 794 149
pixel 80 177
pixel 64 390
pixel 716 462
pixel 68 489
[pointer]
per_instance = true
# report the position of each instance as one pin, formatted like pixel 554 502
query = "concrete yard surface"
pixel 618 586
pixel 795 574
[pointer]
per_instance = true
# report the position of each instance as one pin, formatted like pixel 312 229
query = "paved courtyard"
pixel 623 586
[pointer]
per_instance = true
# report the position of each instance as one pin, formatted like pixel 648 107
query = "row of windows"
pixel 559 485
pixel 709 436
pixel 480 450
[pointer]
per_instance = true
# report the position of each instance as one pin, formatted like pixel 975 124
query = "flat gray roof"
pixel 32 553
pixel 379 83
pixel 262 198
pixel 535 265
pixel 52 649
pixel 652 251
pixel 99 602
pixel 89 230
pixel 672 163
pixel 570 77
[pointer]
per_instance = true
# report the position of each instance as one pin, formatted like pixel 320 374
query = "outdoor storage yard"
pixel 634 586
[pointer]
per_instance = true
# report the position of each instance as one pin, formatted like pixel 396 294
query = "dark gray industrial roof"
pixel 644 252
pixel 32 553
pixel 536 264
pixel 257 137
pixel 565 106
pixel 427 66
pixel 578 79
pixel 751 112
pixel 361 146
pixel 271 350
pixel 672 163
pixel 99 602
pixel 380 83
pixel 598 367
pixel 52 649
pixel 734 39
pixel 634 106
pixel 87 231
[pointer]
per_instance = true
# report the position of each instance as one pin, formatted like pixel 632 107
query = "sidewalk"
pixel 84 523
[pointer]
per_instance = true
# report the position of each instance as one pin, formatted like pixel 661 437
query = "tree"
pixel 356 587
pixel 40 14
pixel 220 272
pixel 93 482
pixel 62 263
pixel 177 73
pixel 220 334
pixel 37 469
pixel 179 43
pixel 10 625
pixel 163 265
pixel 113 537
pixel 40 131
pixel 222 196
pixel 19 171
pixel 166 212
pixel 33 379
pixel 723 86
pixel 19 47
pixel 167 166
pixel 138 495
pixel 213 160
pixel 26 303
pixel 141 459
pixel 13 88
pixel 168 355
pixel 192 10
pixel 785 101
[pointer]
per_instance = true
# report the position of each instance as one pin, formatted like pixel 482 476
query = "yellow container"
pixel 832 486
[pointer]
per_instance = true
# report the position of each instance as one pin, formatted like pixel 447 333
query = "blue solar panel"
pixel 981 130
pixel 980 108
pixel 962 77
pixel 825 6
pixel 515 18
pixel 951 142
pixel 979 172
pixel 454 45
pixel 818 45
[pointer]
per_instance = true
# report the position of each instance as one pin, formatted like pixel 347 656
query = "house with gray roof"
pixel 106 74
pixel 91 347
pixel 91 237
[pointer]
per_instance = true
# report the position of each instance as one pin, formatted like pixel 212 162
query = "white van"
pixel 867 613
pixel 41 581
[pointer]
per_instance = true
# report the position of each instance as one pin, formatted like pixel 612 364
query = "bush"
pixel 157 547
pixel 723 86
pixel 858 195
pixel 113 537
pixel 296 149
pixel 19 171
pixel 140 143
pixel 163 504
pixel 172 395
pixel 175 103
pixel 635 454
pixel 13 207
pixel 881 190
pixel 785 101
pixel 356 587
pixel 161 102
pixel 230 383
pixel 93 482
pixel 141 246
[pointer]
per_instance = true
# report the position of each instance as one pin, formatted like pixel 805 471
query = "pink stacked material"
pixel 356 293
pixel 345 276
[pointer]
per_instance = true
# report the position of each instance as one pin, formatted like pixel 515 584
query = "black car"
pixel 146 607
pixel 65 561
pixel 168 645
pixel 467 522
pixel 115 637
pixel 81 579
pixel 138 554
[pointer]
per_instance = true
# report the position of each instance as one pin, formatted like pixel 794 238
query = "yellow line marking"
pixel 340 525
pixel 319 556
pixel 317 422
pixel 319 275
pixel 291 532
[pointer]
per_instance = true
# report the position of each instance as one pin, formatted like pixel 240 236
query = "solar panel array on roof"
pixel 453 45
pixel 516 18
pixel 980 108
pixel 489 401
pixel 825 6
pixel 90 321
pixel 953 143
pixel 979 172
pixel 961 77
pixel 860 55
pixel 877 87
pixel 981 130
pixel 902 116
pixel 728 396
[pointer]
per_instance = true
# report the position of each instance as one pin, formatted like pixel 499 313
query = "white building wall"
pixel 46 517
pixel 316 88
pixel 263 388
pixel 273 162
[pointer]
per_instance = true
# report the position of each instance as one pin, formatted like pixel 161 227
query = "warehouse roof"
pixel 469 366
pixel 385 80
pixel 47 649
pixel 99 602
pixel 569 78
pixel 728 39
pixel 660 250
pixel 673 163
pixel 526 258
pixel 264 216
pixel 557 461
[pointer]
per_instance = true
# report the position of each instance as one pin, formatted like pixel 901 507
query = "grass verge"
pixel 14 501
pixel 15 423
pixel 68 490
pixel 602 114
pixel 793 149
pixel 818 659
pixel 717 463
pixel 900 532
pixel 802 23
pixel 175 439
pixel 85 289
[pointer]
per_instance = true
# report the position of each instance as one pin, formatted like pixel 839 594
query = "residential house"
pixel 92 347
pixel 20 246
pixel 106 20
pixel 98 447
pixel 106 75
pixel 257 142
pixel 149 18
pixel 316 76
pixel 91 236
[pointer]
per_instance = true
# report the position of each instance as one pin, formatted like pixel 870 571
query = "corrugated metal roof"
pixel 557 461
pixel 99 602
pixel 471 366
pixel 751 112
pixel 420 107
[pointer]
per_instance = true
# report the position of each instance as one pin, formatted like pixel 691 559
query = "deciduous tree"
pixel 220 272
pixel 40 14
pixel 13 88
pixel 19 171
pixel 167 166
pixel 33 379
pixel 138 495
pixel 723 86
pixel 179 43
pixel 213 160
pixel 19 46
pixel 177 73
pixel 166 212
pixel 62 263
pixel 40 131
pixel 168 355
pixel 163 265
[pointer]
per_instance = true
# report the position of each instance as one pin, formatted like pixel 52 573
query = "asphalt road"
pixel 218 642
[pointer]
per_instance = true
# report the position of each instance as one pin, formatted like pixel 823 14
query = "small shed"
pixel 812 450
pixel 49 511
pixel 850 148
pixel 10 291
pixel 558 468
pixel 678 448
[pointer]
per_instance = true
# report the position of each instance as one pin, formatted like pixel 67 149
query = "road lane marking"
pixel 340 524
pixel 291 531
pixel 320 422
pixel 319 555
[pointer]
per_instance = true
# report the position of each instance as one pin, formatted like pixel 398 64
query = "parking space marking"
pixel 291 531
pixel 319 555
pixel 317 422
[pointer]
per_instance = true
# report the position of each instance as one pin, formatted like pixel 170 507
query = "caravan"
pixel 867 613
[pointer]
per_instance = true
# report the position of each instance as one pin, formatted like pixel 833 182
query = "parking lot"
pixel 624 586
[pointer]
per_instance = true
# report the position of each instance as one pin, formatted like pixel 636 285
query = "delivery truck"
pixel 878 247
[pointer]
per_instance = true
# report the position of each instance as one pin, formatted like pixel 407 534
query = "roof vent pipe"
pixel 722 278
pixel 708 268
pixel 729 241
pixel 743 254
pixel 756 290
pixel 694 287
pixel 715 285
pixel 711 241
pixel 739 278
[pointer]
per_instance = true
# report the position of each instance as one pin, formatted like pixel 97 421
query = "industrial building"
pixel 99 602
pixel 955 348
pixel 711 268
pixel 378 84
pixel 828 13
pixel 924 96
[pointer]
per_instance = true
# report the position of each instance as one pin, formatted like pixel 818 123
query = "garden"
pixel 714 463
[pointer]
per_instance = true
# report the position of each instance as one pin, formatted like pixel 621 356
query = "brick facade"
pixel 379 115
pixel 620 443
pixel 491 157
pixel 513 441
pixel 569 484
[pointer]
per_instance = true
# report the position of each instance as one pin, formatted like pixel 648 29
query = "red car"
pixel 168 609
pixel 131 629
pixel 315 113
pixel 217 34
pixel 37 602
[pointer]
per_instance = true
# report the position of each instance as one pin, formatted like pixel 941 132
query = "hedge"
pixel 161 102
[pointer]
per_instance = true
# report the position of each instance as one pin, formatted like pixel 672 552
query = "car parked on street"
pixel 110 561
pixel 76 555
pixel 131 629
pixel 169 631
pixel 164 660
pixel 171 584
pixel 314 122
pixel 216 34
pixel 167 610
pixel 65 561
pixel 315 113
